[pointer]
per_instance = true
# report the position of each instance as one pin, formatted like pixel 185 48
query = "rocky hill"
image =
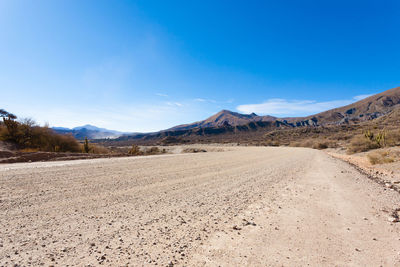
pixel 224 118
pixel 364 110
pixel 228 126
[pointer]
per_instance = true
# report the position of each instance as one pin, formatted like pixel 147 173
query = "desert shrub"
pixel 361 144
pixel 320 145
pixel 379 138
pixel 26 134
pixel 97 149
pixel 153 150
pixel 135 150
pixel 393 138
pixel 193 150
pixel 379 157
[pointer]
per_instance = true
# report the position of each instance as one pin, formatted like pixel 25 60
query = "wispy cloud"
pixel 229 101
pixel 177 104
pixel 284 107
pixel 160 94
pixel 361 97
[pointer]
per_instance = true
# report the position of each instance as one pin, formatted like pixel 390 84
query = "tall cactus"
pixel 86 147
pixel 380 139
pixel 369 135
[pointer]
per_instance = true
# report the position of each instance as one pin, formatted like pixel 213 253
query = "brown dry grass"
pixel 380 157
pixel 361 144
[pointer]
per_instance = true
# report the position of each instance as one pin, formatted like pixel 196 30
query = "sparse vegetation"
pixel 361 144
pixel 193 150
pixel 380 157
pixel 135 150
pixel 26 134
pixel 97 149
pixel 379 138
pixel 371 140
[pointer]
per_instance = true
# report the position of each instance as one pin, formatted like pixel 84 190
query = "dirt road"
pixel 252 206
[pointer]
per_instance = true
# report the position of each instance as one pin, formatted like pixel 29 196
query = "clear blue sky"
pixel 149 65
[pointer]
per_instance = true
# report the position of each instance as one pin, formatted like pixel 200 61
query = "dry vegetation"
pixel 27 135
pixel 374 140
pixel 380 157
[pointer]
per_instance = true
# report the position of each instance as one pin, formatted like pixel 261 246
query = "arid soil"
pixel 253 206
pixel 387 174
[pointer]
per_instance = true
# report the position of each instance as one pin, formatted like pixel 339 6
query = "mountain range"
pixel 89 131
pixel 232 126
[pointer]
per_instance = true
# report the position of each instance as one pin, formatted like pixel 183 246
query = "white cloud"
pixel 177 104
pixel 361 97
pixel 284 107
pixel 163 95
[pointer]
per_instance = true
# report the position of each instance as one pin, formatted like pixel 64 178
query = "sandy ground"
pixel 251 206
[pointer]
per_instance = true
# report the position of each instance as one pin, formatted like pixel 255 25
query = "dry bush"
pixel 315 144
pixel 135 150
pixel 97 149
pixel 193 150
pixel 27 135
pixel 380 157
pixel 361 144
pixel 393 138
pixel 320 145
pixel 153 150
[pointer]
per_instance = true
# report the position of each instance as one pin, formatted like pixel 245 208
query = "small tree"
pixel 11 126
pixel 86 147
pixel 4 114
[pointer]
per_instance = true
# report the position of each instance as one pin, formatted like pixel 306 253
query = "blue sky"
pixel 149 65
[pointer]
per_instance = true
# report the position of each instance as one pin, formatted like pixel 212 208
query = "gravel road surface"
pixel 253 206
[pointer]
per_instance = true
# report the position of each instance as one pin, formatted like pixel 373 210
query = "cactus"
pixel 369 135
pixel 86 147
pixel 380 139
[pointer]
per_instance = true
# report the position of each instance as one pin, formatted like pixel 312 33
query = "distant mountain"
pixel 89 131
pixel 231 126
pixel 224 118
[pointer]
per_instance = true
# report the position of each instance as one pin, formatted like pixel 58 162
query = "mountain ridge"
pixel 89 131
pixel 233 123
